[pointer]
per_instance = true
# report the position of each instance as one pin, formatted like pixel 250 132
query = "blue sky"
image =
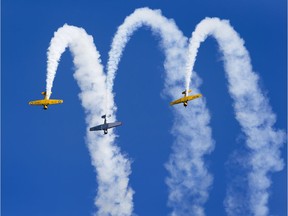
pixel 46 167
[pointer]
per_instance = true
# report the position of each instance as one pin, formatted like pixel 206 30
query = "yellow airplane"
pixel 186 98
pixel 45 102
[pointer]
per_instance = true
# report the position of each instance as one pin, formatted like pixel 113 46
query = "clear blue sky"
pixel 45 164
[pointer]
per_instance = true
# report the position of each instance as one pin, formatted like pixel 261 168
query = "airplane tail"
pixel 45 94
pixel 186 93
pixel 105 116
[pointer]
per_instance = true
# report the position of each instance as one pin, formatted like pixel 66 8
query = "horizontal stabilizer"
pixel 185 92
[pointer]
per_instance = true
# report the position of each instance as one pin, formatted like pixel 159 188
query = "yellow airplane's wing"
pixel 181 100
pixel 37 102
pixel 185 99
pixel 54 101
pixel 45 102
pixel 192 97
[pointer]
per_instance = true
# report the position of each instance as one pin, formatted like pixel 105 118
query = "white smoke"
pixel 172 41
pixel 114 194
pixel 251 110
pixel 189 181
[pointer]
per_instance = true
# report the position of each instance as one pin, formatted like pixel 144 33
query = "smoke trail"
pixel 190 180
pixel 114 194
pixel 173 42
pixel 252 110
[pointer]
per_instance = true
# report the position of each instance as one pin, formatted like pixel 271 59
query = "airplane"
pixel 105 126
pixel 186 98
pixel 45 102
